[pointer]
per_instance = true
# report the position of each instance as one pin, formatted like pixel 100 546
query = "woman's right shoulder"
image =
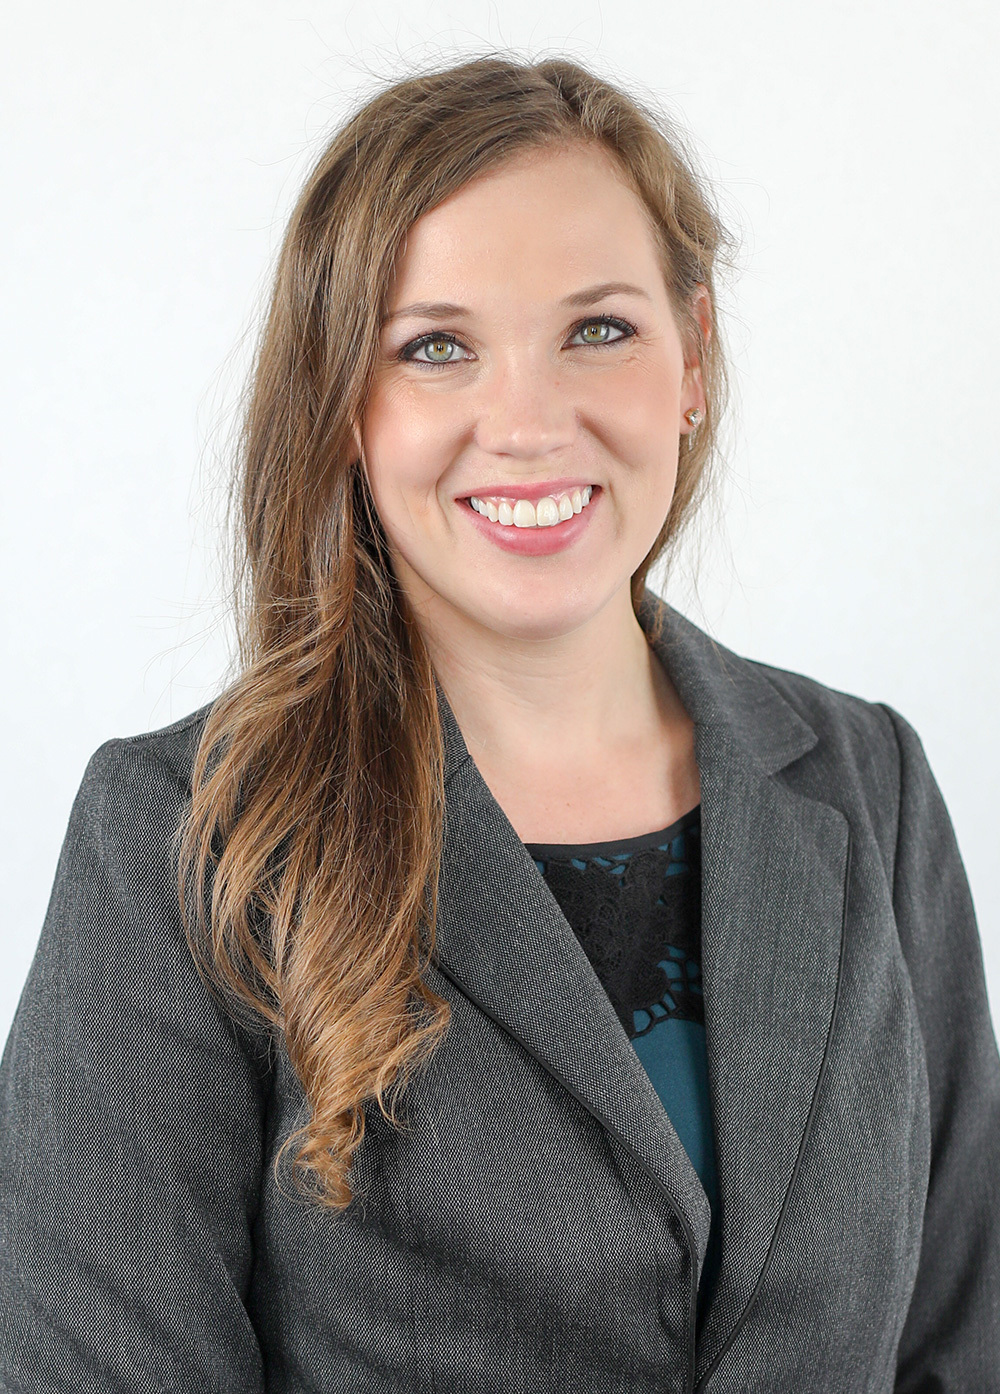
pixel 130 773
pixel 113 934
pixel 131 800
pixel 169 749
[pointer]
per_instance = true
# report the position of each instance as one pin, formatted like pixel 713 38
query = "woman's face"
pixel 529 352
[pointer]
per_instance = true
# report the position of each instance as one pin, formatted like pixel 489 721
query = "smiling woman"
pixel 614 1003
pixel 521 400
pixel 525 402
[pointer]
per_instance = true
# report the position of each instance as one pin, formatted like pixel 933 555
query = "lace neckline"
pixel 583 851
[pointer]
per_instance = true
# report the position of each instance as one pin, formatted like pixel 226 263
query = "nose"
pixel 525 411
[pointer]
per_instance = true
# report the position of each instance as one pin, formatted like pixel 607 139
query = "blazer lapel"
pixel 773 892
pixel 504 941
pixel 774 865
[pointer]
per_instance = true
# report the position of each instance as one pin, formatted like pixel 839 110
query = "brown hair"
pixel 308 860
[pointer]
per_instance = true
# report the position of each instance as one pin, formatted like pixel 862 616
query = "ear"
pixel 692 388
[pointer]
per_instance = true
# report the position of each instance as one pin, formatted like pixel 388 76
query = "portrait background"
pixel 151 157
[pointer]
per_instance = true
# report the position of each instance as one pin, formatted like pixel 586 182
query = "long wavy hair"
pixel 308 858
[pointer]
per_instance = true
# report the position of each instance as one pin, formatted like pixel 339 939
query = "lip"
pixel 535 542
pixel 524 490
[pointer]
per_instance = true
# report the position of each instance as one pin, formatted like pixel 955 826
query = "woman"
pixel 500 986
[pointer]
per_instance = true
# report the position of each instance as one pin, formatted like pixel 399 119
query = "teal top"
pixel 635 906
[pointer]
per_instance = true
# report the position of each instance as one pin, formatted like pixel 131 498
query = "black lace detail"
pixel 638 920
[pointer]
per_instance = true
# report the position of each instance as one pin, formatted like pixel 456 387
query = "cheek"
pixel 641 414
pixel 404 447
pixel 655 392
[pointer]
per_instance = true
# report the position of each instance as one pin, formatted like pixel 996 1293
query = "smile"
pixel 548 512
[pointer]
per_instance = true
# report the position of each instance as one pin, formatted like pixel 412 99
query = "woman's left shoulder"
pixel 868 735
pixel 840 718
pixel 868 760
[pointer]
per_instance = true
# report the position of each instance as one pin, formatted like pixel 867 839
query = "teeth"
pixel 546 513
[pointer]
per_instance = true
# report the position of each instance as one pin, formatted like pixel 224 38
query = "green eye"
pixel 439 348
pixel 434 346
pixel 594 331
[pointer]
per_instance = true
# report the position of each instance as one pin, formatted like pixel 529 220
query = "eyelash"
pixel 406 353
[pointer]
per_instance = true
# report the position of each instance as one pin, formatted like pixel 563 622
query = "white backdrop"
pixel 150 157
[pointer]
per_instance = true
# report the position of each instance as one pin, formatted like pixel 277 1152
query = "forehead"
pixel 565 215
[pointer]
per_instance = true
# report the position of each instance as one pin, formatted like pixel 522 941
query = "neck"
pixel 535 703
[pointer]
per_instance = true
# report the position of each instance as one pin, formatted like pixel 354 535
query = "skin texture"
pixel 561 702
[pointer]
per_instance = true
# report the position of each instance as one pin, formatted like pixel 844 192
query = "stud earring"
pixel 693 418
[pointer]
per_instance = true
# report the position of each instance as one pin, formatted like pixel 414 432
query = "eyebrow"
pixel 443 309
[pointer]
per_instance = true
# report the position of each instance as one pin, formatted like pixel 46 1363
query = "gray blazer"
pixel 538 1226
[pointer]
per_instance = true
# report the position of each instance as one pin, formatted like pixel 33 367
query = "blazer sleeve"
pixel 131 1123
pixel 950 1342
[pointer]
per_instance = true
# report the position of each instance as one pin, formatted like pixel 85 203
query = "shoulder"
pixel 135 787
pixel 171 748
pixel 867 758
pixel 859 728
pixel 868 761
pixel 782 717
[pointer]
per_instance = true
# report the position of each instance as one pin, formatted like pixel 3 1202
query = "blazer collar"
pixel 770 957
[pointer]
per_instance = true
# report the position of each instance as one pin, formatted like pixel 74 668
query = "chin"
pixel 533 612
